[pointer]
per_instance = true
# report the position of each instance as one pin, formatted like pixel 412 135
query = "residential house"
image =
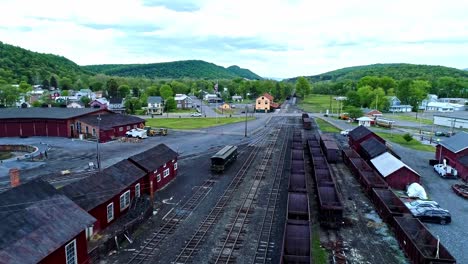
pixel 117 105
pixel 87 93
pixel 107 195
pixel 183 101
pixel 455 151
pixel 237 98
pixel 430 98
pixel 396 106
pixel 265 103
pixel 41 225
pixel 225 106
pixel 397 174
pixel 100 103
pixel 365 121
pixel 155 105
pixel 212 98
pixel 159 163
pixel 76 104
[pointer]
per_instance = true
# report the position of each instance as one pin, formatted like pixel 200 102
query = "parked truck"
pixel 150 131
pixel 136 133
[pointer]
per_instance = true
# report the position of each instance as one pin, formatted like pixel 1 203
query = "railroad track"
pixel 193 245
pixel 264 248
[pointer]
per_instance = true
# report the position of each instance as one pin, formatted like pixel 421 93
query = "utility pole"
pixel 98 154
pixel 246 109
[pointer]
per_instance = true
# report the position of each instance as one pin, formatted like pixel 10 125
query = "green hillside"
pixel 397 71
pixel 196 69
pixel 18 64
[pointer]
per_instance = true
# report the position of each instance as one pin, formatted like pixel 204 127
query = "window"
pixel 110 212
pixel 120 129
pixel 87 130
pixel 94 132
pixel 137 190
pixel 70 253
pixel 259 101
pixel 135 126
pixel 166 173
pixel 158 177
pixel 128 127
pixel 124 200
pixel 175 166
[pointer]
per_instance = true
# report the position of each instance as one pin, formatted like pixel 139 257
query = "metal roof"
pixel 372 148
pixel 387 164
pixel 110 120
pixel 154 158
pixel 359 133
pixel 224 152
pixel 36 220
pixel 45 112
pixel 456 143
pixel 154 99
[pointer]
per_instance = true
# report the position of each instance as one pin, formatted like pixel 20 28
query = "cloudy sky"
pixel 273 38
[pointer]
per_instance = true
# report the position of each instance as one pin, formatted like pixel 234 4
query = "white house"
pixel 439 107
pixel 396 106
pixel 236 98
pixel 364 121
pixel 155 105
pixel 183 101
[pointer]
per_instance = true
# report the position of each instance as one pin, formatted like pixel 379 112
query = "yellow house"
pixel 225 106
pixel 265 103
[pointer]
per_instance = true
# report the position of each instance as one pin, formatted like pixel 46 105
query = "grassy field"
pixel 5 155
pixel 411 118
pixel 316 103
pixel 325 126
pixel 413 144
pixel 225 111
pixel 193 122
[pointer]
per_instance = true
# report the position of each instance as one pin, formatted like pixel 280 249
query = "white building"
pixel 453 120
pixel 364 121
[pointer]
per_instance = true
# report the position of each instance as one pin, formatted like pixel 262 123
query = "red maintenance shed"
pixel 359 135
pixel 110 125
pixel 40 225
pixel 455 151
pixel 160 165
pixel 397 174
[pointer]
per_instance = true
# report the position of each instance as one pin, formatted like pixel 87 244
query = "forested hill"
pixel 397 71
pixel 18 64
pixel 196 69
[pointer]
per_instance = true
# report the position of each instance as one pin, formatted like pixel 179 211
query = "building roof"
pixel 36 221
pixel 364 118
pixel 125 171
pixel 155 99
pixel 101 101
pixel 116 100
pixel 45 112
pixel 373 112
pixel 372 148
pixel 387 164
pixel 111 120
pixel 154 158
pixel 359 133
pixel 456 115
pixel 268 96
pixel 456 143
pixel 181 97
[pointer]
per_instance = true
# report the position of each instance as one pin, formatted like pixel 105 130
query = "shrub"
pixel 407 137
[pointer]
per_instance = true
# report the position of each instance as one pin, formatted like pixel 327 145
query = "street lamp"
pixel 440 149
pixel 98 156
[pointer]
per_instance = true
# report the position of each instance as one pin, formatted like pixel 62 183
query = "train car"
pixel 223 158
pixel 305 115
pixel 384 122
pixel 330 206
pixel 370 180
pixel 347 154
pixel 297 166
pixel 297 183
pixel 297 145
pixel 298 206
pixel 331 151
pixel 296 242
pixel 388 205
pixel 307 123
pixel 420 246
pixel 297 154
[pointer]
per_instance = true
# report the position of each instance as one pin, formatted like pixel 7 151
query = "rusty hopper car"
pixel 388 205
pixel 305 115
pixel 330 206
pixel 298 206
pixel 296 242
pixel 307 123
pixel 419 244
pixel 297 183
pixel 370 180
pixel 347 154
pixel 223 158
pixel 297 166
pixel 331 151
pixel 297 145
pixel 297 154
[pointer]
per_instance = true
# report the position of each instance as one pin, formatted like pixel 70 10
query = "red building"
pixel 455 151
pixel 65 122
pixel 397 174
pixel 40 225
pixel 160 164
pixel 107 195
pixel 359 135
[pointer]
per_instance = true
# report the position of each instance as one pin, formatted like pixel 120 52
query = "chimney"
pixel 14 177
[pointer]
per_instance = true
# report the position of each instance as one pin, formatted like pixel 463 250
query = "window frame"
pixel 158 177
pixel 126 200
pixel 107 212
pixel 166 173
pixel 137 187
pixel 73 260
pixel 175 165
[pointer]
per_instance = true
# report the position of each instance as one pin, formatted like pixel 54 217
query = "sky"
pixel 273 38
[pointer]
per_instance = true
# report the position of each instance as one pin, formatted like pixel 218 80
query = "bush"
pixel 407 137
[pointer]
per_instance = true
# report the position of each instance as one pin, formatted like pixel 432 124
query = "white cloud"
pixel 272 38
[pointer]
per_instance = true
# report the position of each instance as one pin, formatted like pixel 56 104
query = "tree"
pixel 166 92
pixel 153 90
pixel 85 100
pixel 378 99
pixel 45 84
pixel 96 86
pixel 303 87
pixel 24 87
pixel 365 95
pixel 53 82
pixel 124 90
pixel 353 112
pixel 170 104
pixel 9 95
pixel 66 83
pixel 65 93
pixel 112 88
pixel 132 104
pixel 352 99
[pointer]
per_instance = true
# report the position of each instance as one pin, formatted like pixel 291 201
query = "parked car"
pixel 421 204
pixel 196 114
pixel 137 132
pixel 435 215
pixel 446 171
pixel 345 132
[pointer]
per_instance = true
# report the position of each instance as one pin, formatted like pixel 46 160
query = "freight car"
pixel 330 206
pixel 307 123
pixel 331 151
pixel 296 242
pixel 297 183
pixel 223 158
pixel 297 154
pixel 298 206
pixel 388 205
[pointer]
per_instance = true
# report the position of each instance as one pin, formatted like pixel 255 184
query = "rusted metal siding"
pixel 58 256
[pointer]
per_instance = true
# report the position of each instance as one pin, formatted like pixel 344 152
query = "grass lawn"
pixel 411 118
pixel 5 155
pixel 316 103
pixel 193 122
pixel 319 254
pixel 183 110
pixel 413 144
pixel 325 126
pixel 225 111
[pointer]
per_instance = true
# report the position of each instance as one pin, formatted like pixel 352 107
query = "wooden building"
pixel 40 225
pixel 455 151
pixel 360 134
pixel 160 165
pixel 109 127
pixel 397 174
pixel 265 103
pixel 107 195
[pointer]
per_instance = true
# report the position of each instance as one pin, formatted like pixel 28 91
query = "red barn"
pixel 397 174
pixel 40 225
pixel 107 195
pixel 110 126
pixel 160 164
pixel 360 134
pixel 455 151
